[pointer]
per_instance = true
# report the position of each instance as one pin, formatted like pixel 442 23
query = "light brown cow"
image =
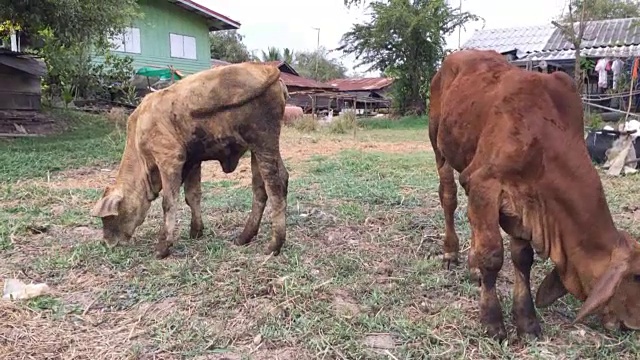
pixel 516 138
pixel 217 114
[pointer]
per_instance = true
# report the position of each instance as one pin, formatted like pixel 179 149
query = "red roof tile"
pixel 361 84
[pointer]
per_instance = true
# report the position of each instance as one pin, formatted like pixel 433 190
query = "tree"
pixel 573 23
pixel 70 22
pixel 605 9
pixel 287 55
pixel 318 66
pixel 406 38
pixel 227 45
pixel 272 54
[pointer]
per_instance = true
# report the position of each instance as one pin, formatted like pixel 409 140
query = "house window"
pixel 183 46
pixel 128 41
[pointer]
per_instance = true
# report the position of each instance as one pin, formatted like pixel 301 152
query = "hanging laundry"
pixel 616 66
pixel 601 68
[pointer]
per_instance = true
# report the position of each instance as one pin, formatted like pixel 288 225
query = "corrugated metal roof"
pixel 361 84
pixel 615 51
pixel 299 81
pixel 524 39
pixel 600 33
pixel 217 21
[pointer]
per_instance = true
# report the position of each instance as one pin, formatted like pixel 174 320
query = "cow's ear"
pixel 108 205
pixel 550 290
pixel 605 287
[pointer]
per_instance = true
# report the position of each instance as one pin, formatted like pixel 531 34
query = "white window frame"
pixel 127 42
pixel 183 46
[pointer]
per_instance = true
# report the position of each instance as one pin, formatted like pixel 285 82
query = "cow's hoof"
pixel 529 331
pixel 196 232
pixel 272 250
pixel 242 240
pixel 450 260
pixel 110 244
pixel 162 252
pixel 497 332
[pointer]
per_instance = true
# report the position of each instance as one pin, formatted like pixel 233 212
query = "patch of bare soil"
pixel 295 149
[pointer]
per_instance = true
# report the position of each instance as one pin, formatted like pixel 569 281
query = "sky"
pixel 291 23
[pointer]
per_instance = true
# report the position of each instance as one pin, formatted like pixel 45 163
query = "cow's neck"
pixel 581 257
pixel 134 173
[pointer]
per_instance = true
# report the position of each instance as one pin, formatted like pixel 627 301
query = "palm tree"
pixel 272 54
pixel 287 55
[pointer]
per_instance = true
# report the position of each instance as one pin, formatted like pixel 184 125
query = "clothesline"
pixel 610 96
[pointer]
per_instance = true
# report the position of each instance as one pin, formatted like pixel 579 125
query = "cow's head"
pixel 616 293
pixel 121 213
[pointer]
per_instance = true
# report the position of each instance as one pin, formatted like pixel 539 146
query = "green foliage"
pixel 405 123
pixel 227 46
pixel 310 64
pixel 344 123
pixel 593 121
pixel 327 68
pixel 88 141
pixel 71 73
pixel 71 21
pixel 272 54
pixel 407 39
pixel 306 124
pixel 603 9
pixel 287 55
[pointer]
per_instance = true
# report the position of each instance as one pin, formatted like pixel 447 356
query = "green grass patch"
pixel 359 276
pixel 90 140
pixel 404 123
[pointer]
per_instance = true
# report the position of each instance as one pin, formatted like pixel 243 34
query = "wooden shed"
pixel 20 88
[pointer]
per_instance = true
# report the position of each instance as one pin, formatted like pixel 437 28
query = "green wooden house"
pixel 172 33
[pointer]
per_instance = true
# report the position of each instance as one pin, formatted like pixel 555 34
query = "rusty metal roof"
pixel 299 81
pixel 362 84
pixel 600 33
pixel 522 39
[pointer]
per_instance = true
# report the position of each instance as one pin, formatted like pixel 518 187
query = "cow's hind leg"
pixel 276 179
pixel 483 213
pixel 523 311
pixel 193 198
pixel 448 193
pixel 257 208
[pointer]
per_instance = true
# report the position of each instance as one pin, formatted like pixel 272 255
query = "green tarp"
pixel 163 74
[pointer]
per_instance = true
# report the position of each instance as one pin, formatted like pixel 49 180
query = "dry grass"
pixel 307 123
pixel 359 277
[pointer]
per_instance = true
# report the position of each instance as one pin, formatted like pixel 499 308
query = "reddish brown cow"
pixel 516 138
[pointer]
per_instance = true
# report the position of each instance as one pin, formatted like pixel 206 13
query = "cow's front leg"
pixel 171 180
pixel 257 208
pixel 193 198
pixel 524 313
pixel 488 251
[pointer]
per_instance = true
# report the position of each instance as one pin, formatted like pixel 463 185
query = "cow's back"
pixel 478 95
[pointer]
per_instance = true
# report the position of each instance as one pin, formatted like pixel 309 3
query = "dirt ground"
pixel 295 148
